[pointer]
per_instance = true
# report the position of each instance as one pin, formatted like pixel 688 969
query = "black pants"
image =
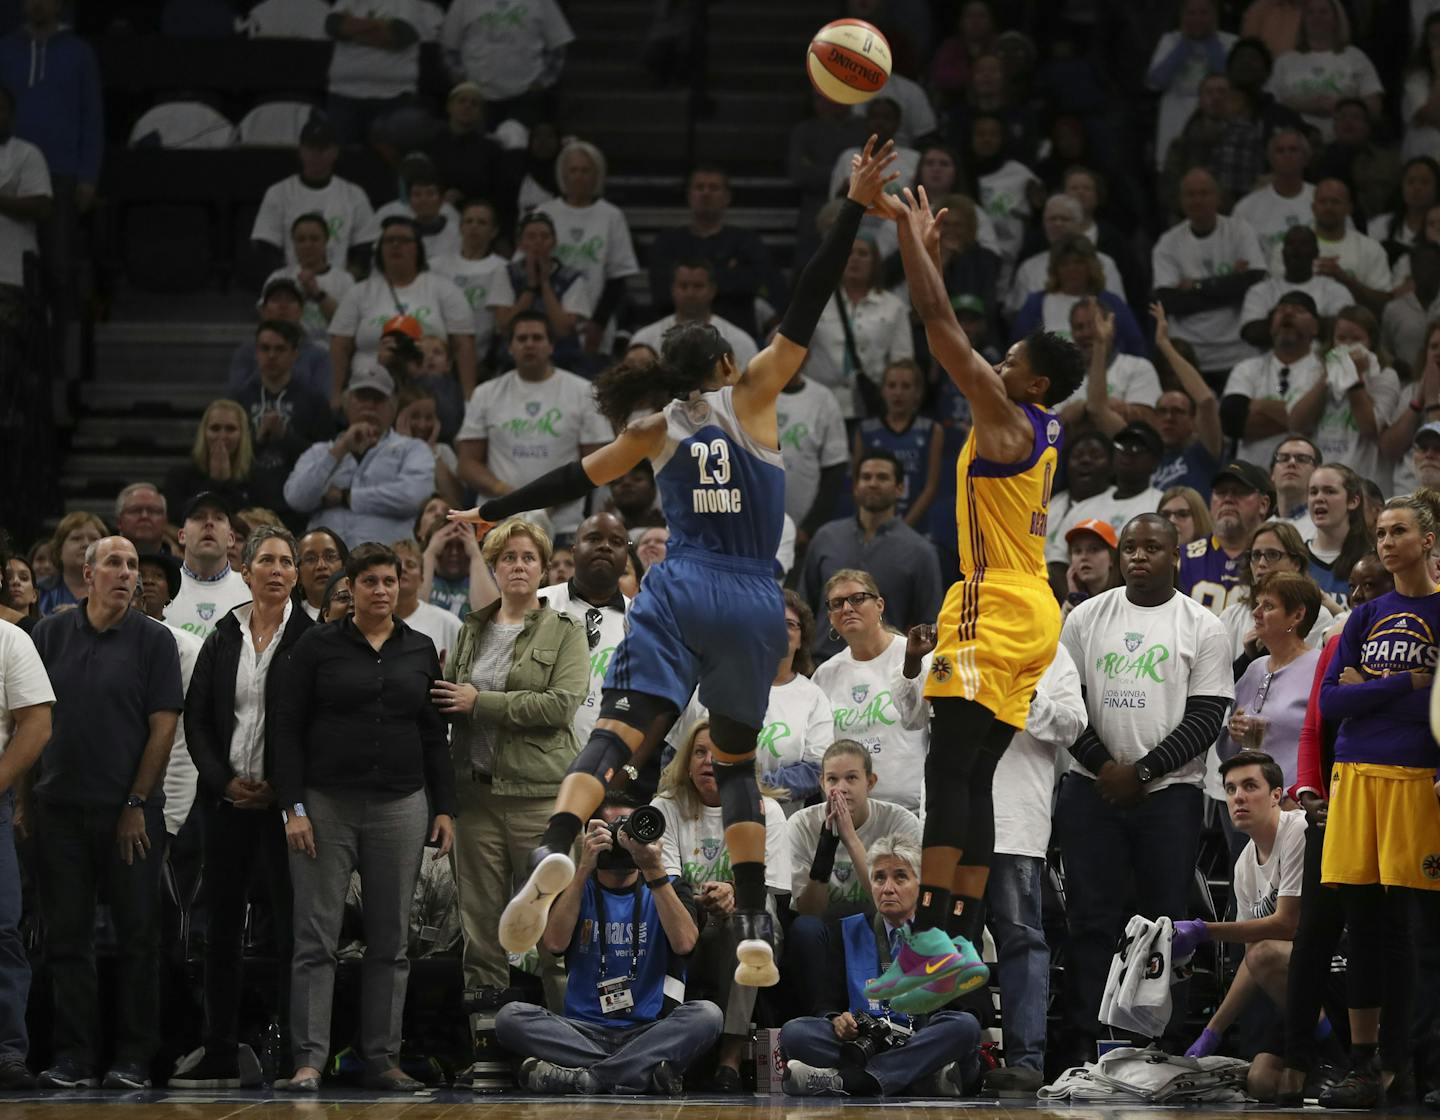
pixel 1322 921
pixel 1381 964
pixel 239 843
pixel 78 859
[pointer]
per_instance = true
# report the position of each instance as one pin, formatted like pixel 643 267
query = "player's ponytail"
pixel 689 353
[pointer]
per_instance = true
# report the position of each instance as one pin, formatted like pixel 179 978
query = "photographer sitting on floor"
pixel 862 1048
pixel 1268 878
pixel 624 981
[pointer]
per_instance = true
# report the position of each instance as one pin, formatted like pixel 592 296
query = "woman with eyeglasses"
pixel 322 557
pixel 337 600
pixel 1184 508
pixel 513 682
pixel 876 685
pixel 401 284
pixel 1275 547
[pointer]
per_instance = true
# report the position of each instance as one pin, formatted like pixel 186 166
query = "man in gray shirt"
pixel 812 440
pixel 878 541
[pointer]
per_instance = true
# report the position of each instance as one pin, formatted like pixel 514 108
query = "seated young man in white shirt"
pixel 1267 881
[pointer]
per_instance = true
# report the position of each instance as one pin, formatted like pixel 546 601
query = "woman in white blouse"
pixel 861 331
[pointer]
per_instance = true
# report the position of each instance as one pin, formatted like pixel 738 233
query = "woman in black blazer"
pixel 229 733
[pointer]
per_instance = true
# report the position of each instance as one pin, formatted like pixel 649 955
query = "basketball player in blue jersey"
pixel 998 627
pixel 712 613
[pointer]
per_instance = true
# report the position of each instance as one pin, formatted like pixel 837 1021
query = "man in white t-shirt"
pixel 812 441
pixel 526 422
pixel 375 67
pixel 424 201
pixel 1299 249
pixel 1357 261
pixel 286 19
pixel 1202 268
pixel 1268 879
pixel 315 190
pixel 25 199
pixel 478 271
pixel 692 291
pixel 1156 668
pixel 209 587
pixel 26 700
pixel 512 49
pixel 593 596
pixel 1024 790
pixel 1285 390
pixel 1284 202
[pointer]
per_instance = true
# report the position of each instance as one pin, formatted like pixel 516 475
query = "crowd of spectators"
pixel 281 674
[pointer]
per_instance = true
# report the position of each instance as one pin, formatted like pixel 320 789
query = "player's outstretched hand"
pixel 868 178
pixel 917 212
pixel 472 515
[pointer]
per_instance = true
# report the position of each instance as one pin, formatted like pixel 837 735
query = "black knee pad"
pixel 739 793
pixel 733 738
pixel 602 756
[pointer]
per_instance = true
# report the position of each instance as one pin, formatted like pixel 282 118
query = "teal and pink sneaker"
pixel 926 957
pixel 929 998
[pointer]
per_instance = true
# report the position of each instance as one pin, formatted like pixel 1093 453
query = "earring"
pixel 834 634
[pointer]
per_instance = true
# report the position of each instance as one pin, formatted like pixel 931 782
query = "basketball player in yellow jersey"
pixel 998 629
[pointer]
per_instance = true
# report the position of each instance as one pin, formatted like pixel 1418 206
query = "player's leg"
pixel 933 967
pixel 743 812
pixel 643 720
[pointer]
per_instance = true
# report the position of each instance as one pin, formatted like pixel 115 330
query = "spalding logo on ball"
pixel 848 61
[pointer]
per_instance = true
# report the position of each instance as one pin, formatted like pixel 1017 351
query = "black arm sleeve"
pixel 1198 728
pixel 831 480
pixel 609 300
pixel 1089 751
pixel 825 850
pixel 564 484
pixel 817 282
pixel 1234 411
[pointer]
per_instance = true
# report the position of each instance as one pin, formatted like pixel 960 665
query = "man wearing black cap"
pixel 1241 497
pixel 208 585
pixel 282 301
pixel 1138 450
pixel 315 190
pixel 1285 390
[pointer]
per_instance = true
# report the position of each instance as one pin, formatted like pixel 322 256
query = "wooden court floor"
pixel 446 1104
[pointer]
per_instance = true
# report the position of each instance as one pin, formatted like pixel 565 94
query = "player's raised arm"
pixel 919 234
pixel 771 369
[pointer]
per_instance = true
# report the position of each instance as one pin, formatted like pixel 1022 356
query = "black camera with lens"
pixel 873 1038
pixel 644 825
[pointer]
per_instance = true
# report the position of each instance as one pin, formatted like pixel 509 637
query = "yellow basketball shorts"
pixel 994 640
pixel 1383 827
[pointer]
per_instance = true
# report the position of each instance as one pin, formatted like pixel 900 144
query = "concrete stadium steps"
pixel 181 352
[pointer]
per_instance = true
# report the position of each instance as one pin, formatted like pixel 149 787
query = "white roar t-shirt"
pixel 812 437
pixel 361 71
pixel 485 284
pixel 694 847
pixel 1270 214
pixel 846 886
pixel 345 207
pixel 1139 666
pixel 23 174
pixel 23 680
pixel 430 298
pixel 875 704
pixel 533 427
pixel 1180 255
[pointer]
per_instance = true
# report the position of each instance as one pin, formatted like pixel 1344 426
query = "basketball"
pixel 848 61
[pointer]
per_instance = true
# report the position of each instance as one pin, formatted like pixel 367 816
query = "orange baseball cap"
pixel 407 325
pixel 1102 529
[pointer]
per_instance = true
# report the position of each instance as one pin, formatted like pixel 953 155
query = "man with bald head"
pixel 1063 214
pixel 1299 250
pixel 99 816
pixel 592 595
pixel 1203 267
pixel 1346 255
pixel 1283 202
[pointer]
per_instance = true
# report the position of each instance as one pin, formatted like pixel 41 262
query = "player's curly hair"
pixel 688 354
pixel 1060 360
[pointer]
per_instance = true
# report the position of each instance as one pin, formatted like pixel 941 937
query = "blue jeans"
pixel 1013 904
pixel 947 1036
pixel 14 965
pixel 1155 843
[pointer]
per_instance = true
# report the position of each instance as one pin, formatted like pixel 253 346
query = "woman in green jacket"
pixel 518 672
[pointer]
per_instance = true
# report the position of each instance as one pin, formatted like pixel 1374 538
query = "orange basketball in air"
pixel 848 61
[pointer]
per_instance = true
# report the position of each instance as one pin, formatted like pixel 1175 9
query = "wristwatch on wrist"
pixel 298 809
pixel 134 801
pixel 1143 772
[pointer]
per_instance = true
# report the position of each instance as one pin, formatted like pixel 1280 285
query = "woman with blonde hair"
pixel 513 681
pixel 876 685
pixel 1074 273
pixel 1324 68
pixel 220 459
pixel 694 848
pixel 76 532
pixel 1184 508
pixel 593 236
